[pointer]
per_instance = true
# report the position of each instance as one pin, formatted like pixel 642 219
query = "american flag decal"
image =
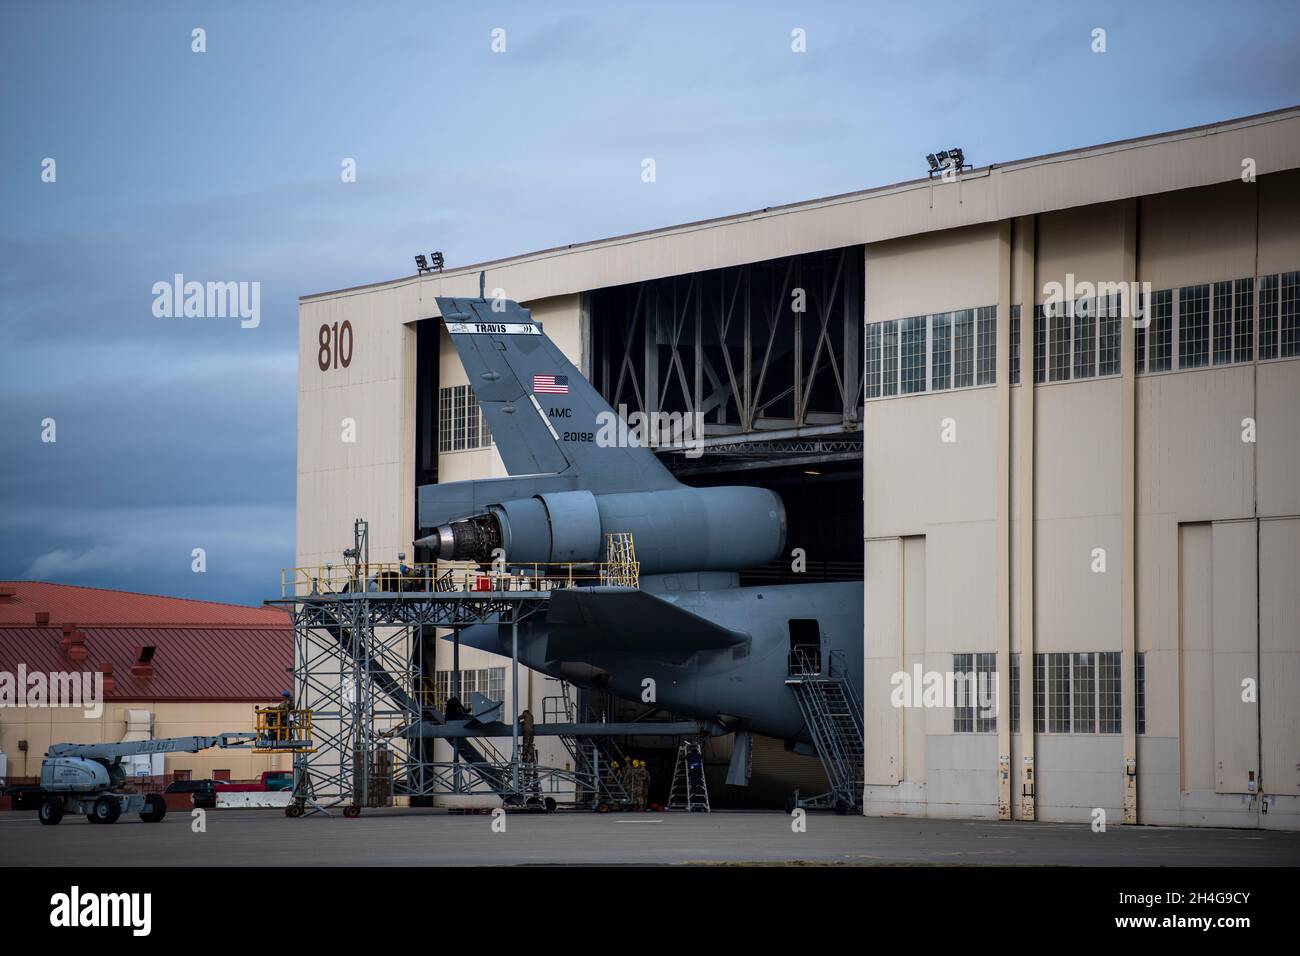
pixel 551 384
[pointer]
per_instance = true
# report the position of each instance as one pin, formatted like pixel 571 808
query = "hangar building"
pixel 1036 473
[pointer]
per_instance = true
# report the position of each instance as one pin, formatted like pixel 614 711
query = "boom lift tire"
pixel 51 811
pixel 157 809
pixel 104 810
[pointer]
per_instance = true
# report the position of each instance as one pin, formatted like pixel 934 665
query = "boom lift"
pixel 88 778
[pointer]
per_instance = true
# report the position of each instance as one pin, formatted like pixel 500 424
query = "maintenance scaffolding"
pixel 363 635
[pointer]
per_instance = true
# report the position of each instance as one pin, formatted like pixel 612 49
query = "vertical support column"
pixel 651 344
pixel 455 692
pixel 1128 519
pixel 514 703
pixel 854 319
pixel 1003 585
pixel 1027 236
pixel 797 319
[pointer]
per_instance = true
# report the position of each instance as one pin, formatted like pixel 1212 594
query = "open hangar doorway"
pixel 767 356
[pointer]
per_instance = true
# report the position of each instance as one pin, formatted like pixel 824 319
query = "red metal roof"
pixel 205 651
pixel 68 603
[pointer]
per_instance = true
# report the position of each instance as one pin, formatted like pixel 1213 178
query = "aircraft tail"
pixel 546 418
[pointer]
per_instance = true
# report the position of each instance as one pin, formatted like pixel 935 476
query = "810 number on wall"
pixel 335 346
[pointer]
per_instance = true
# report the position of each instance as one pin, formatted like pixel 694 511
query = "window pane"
pixel 1058 696
pixel 963 348
pixel 471 419
pixel 1015 345
pixel 1140 696
pixel 889 363
pixel 1085 338
pixel 1290 314
pixel 1085 694
pixel 1040 693
pixel 1108 688
pixel 444 419
pixel 1160 333
pixel 458 417
pixel 873 361
pixel 940 351
pixel 1194 326
pixel 986 690
pixel 1015 693
pixel 987 354
pixel 1108 316
pixel 963 712
pixel 912 370
pixel 1268 317
pixel 1059 343
pixel 1244 330
pixel 1222 323
pixel 1040 344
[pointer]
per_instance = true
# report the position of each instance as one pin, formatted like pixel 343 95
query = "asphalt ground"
pixel 423 837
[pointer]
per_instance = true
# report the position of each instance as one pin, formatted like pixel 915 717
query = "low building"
pixel 134 667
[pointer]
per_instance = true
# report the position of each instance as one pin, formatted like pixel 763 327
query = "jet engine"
pixel 676 529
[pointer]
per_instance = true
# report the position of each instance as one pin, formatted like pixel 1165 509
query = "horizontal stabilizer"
pixel 619 620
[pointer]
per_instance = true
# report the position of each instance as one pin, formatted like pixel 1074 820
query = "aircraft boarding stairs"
pixel 833 714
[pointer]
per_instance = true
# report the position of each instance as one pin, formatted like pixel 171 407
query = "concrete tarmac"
pixel 421 837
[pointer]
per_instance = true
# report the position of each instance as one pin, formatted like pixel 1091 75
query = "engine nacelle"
pixel 677 529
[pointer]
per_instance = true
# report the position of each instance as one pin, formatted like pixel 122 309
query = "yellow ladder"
pixel 621 568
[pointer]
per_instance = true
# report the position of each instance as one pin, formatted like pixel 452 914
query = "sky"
pixel 172 434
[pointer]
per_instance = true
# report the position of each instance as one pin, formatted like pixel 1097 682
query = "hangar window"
pixel 461 425
pixel 1222 321
pixel 1079 693
pixel 889 362
pixel 1015 693
pixel 1140 694
pixel 931 353
pixel 1085 338
pixel 1160 351
pixel 975 687
pixel 987 356
pixel 1040 345
pixel 1244 320
pixel 1268 317
pixel 1290 314
pixel 1194 326
pixel 1083 693
pixel 1108 333
pixel 1015 345
pixel 940 352
pixel 1059 342
pixel 963 348
pixel 913 355
pixel 872 376
pixel 488 681
pixel 1109 692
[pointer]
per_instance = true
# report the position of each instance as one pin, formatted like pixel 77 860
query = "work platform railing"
pixel 446 577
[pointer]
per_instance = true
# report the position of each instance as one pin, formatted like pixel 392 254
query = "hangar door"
pixel 1218 649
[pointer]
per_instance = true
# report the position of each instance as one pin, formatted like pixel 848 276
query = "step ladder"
pixel 690 791
pixel 833 716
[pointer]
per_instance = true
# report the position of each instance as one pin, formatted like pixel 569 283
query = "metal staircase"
pixel 690 791
pixel 593 757
pixel 833 714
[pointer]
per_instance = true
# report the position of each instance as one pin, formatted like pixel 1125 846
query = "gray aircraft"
pixel 784 661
